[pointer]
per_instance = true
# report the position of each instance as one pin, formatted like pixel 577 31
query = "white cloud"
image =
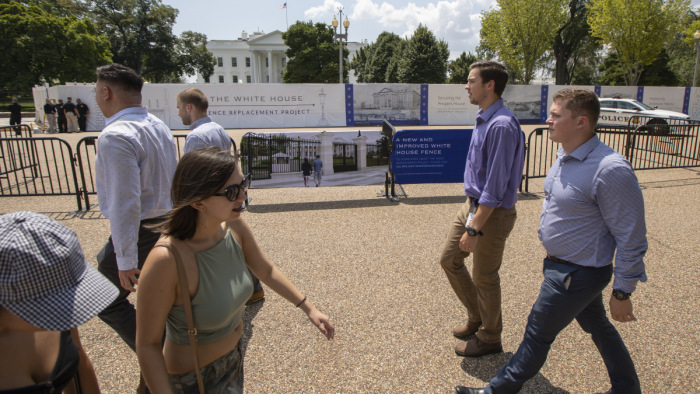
pixel 456 21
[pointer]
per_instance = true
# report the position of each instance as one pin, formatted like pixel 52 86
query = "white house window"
pixel 235 79
pixel 221 79
pixel 247 78
pixel 234 62
pixel 247 62
pixel 220 61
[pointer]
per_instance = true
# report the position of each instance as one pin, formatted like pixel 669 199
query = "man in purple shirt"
pixel 592 213
pixel 491 180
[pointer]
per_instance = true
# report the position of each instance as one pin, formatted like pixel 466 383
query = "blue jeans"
pixel 556 307
pixel 121 314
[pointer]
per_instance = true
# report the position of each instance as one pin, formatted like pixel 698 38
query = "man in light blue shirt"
pixel 593 207
pixel 135 164
pixel 192 107
pixel 491 179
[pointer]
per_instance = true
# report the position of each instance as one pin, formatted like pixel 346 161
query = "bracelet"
pixel 301 302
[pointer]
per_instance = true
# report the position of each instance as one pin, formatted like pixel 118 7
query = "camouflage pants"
pixel 224 375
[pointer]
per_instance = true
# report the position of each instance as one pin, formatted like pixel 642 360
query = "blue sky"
pixel 455 21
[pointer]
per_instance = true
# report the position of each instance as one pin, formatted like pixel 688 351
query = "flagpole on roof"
pixel 286 14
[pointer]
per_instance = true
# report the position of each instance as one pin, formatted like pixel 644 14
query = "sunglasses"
pixel 232 192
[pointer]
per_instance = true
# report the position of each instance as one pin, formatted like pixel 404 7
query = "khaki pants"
pixel 72 122
pixel 480 291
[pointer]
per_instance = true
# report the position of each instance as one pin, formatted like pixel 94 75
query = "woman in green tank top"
pixel 205 226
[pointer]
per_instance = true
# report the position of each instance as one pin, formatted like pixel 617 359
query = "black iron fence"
pixel 265 154
pixel 647 143
pixel 376 156
pixel 344 157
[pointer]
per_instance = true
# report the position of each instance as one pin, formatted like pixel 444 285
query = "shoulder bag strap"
pixel 185 295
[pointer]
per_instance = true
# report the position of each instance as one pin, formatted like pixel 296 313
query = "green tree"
pixel 312 53
pixel 384 50
pixel 359 63
pixel 573 44
pixel 636 30
pixel 424 58
pixel 521 32
pixel 30 54
pixel 140 32
pixel 459 68
pixel 611 73
pixel 193 55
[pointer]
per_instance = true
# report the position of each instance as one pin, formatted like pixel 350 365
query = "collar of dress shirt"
pixel 582 151
pixel 199 122
pixel 126 111
pixel 484 116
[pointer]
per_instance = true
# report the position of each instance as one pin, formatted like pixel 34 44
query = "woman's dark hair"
pixel 198 175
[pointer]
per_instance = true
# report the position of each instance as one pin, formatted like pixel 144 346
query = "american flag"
pixel 283 6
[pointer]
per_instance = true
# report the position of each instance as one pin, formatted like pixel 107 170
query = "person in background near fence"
pixel 593 207
pixel 62 123
pixel 492 175
pixel 15 115
pixel 317 164
pixel 134 167
pixel 47 289
pixel 192 105
pixel 83 112
pixel 49 117
pixel 306 171
pixel 71 115
pixel 206 233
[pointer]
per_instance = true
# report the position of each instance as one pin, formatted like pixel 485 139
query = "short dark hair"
pixel 199 175
pixel 492 71
pixel 195 97
pixel 580 102
pixel 120 75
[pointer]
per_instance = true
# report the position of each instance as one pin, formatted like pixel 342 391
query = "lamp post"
pixel 340 36
pixel 697 56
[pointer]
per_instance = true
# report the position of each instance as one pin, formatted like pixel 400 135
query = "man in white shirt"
pixel 135 163
pixel 192 107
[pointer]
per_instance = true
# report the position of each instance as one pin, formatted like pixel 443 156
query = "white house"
pixel 256 58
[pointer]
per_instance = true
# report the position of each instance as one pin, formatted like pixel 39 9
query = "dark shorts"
pixel 224 375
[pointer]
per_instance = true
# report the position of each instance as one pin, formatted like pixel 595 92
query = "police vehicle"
pixel 629 112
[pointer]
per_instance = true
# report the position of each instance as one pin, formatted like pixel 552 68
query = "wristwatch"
pixel 621 295
pixel 473 232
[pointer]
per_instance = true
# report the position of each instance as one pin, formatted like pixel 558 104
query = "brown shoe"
pixel 466 331
pixel 475 347
pixel 257 296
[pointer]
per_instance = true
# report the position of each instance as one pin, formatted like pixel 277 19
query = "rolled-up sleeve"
pixel 622 208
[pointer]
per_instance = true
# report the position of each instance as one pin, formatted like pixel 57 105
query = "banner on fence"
pixel 260 106
pixel 430 156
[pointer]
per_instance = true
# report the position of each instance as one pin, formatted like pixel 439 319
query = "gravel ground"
pixel 372 265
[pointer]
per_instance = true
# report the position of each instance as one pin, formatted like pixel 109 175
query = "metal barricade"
pixel 86 153
pixel 646 145
pixel 37 167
